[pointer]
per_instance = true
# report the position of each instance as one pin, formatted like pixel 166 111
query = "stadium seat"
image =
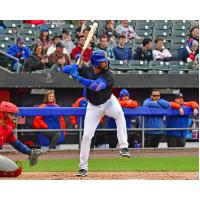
pixel 132 23
pixel 176 47
pixel 159 65
pixel 55 31
pixel 162 27
pixel 167 45
pixel 163 23
pixel 178 40
pixel 181 24
pixel 144 33
pixel 144 22
pixel 28 32
pixel 119 65
pixel 135 46
pixel 193 72
pixel 176 72
pixel 142 26
pixel 28 26
pixel 12 23
pixel 178 66
pixel 4 45
pixel 10 32
pixel 5 37
pixel 163 33
pixel 136 72
pixel 139 65
pixel 156 72
pixel 179 33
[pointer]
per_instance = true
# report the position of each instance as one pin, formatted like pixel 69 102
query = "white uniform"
pixel 93 116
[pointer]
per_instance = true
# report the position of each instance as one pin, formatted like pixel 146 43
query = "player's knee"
pixel 118 114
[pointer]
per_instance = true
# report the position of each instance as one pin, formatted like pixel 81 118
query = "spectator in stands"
pixel 194 33
pixel 57 67
pixel 153 137
pixel 44 37
pixel 67 40
pixel 37 60
pixel 111 40
pixel 94 38
pixel 54 56
pixel 176 138
pixel 82 26
pixel 50 122
pixel 124 29
pixel 110 27
pixel 160 53
pixel 20 51
pixel 103 45
pixel 145 52
pixel 121 52
pixel 56 39
pixel 78 49
pixel 125 102
pixel 187 53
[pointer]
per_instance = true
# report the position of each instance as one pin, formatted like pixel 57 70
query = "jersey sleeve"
pixel 191 104
pixel 174 105
pixel 11 138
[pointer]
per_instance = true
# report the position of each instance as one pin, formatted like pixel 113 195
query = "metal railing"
pixel 81 111
pixel 10 56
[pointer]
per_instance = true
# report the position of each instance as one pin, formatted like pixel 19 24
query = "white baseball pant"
pixel 111 108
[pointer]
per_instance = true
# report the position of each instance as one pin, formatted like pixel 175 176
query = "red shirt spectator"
pixel 78 49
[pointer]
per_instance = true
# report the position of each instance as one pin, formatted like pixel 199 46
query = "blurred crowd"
pixel 52 52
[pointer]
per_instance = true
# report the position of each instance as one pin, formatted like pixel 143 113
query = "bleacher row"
pixel 175 33
pixel 153 67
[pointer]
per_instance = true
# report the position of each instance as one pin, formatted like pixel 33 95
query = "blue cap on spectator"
pixel 21 40
pixel 123 93
pixel 44 29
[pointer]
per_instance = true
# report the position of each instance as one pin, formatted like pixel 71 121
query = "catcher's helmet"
pixel 99 56
pixel 123 93
pixel 8 107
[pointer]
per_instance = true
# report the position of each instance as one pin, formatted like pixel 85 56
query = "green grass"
pixel 165 164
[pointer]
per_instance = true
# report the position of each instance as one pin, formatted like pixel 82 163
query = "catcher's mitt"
pixel 33 156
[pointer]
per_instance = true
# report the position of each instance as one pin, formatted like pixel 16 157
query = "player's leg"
pixel 156 140
pixel 181 142
pixel 92 119
pixel 53 137
pixel 171 141
pixel 8 168
pixel 114 110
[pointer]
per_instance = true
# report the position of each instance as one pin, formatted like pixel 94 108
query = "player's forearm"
pixel 21 147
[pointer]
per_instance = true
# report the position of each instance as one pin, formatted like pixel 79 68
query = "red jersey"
pixel 6 135
pixel 6 131
pixel 86 54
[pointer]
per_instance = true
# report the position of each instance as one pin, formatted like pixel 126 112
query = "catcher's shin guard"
pixel 15 173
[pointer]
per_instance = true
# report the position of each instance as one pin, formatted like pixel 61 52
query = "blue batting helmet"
pixel 123 93
pixel 98 56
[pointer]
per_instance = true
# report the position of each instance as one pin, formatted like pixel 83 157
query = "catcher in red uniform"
pixel 8 113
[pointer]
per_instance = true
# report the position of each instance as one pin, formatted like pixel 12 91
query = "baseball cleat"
pixel 82 172
pixel 124 152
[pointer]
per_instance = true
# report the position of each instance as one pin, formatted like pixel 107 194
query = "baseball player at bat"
pixel 98 81
pixel 8 113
